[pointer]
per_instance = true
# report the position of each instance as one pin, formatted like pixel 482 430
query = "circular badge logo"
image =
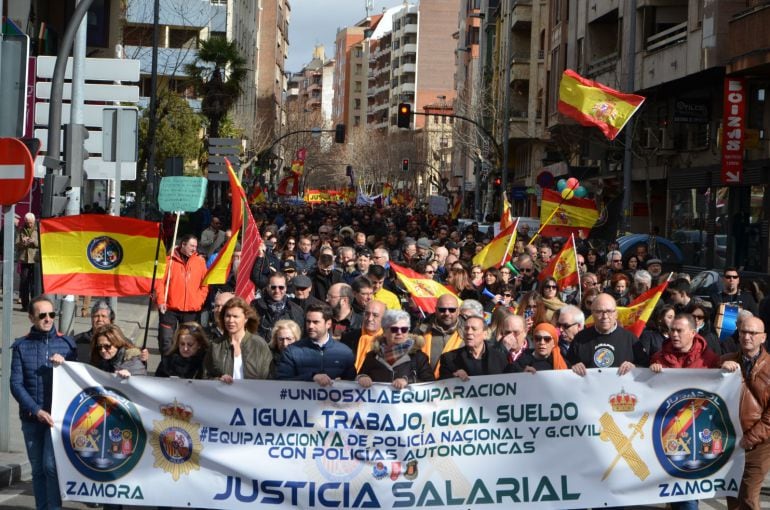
pixel 692 434
pixel 104 253
pixel 103 434
pixel 176 445
pixel 604 357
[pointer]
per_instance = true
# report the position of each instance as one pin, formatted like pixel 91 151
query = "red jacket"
pixel 186 292
pixel 699 356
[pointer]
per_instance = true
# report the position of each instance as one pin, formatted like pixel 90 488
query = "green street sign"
pixel 181 193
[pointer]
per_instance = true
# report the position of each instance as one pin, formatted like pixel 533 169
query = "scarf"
pixel 453 342
pixel 394 352
pixel 364 346
pixel 276 307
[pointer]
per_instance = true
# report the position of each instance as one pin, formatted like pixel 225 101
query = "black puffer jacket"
pixel 414 366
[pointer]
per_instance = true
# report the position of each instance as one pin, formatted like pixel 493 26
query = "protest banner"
pixel 547 440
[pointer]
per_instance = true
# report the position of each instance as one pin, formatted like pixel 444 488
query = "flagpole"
pixel 152 288
pixel 548 220
pixel 173 244
pixel 510 242
pixel 574 251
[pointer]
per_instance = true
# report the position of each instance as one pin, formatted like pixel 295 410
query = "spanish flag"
pixel 220 269
pixel 457 207
pixel 634 317
pixel 99 255
pixel 498 251
pixel 424 291
pixel 563 267
pixel 577 215
pixel 257 196
pixel 506 220
pixel 593 104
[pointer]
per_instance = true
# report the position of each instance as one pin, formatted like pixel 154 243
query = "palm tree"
pixel 217 77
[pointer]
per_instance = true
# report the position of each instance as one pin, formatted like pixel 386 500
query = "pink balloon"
pixel 572 183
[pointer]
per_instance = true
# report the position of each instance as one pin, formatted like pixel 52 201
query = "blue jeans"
pixel 685 505
pixel 45 482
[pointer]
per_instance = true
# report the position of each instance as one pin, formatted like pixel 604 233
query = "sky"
pixel 316 22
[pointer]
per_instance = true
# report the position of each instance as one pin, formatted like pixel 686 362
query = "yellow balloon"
pixel 567 193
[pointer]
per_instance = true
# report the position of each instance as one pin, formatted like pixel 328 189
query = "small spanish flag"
pixel 593 104
pixel 577 215
pixel 99 255
pixel 634 317
pixel 563 267
pixel 424 291
pixel 457 207
pixel 498 251
pixel 506 219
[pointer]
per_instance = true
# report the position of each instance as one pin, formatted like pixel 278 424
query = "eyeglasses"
pixel 544 339
pixel 750 334
pixel 507 294
pixel 731 277
pixel 616 261
pixel 550 287
pixel 698 317
pixel 104 347
pixel 50 315
pixel 603 312
pixel 442 309
pixel 525 270
pixel 399 329
pixel 430 272
pixel 277 287
pixel 567 326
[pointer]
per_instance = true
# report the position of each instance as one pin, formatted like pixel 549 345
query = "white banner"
pixel 548 440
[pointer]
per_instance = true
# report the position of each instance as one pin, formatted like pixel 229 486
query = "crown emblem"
pixel 623 402
pixel 177 410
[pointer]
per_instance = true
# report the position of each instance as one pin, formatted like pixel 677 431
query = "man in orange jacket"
pixel 183 300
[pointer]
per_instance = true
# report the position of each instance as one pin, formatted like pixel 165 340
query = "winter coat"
pixel 186 292
pixel 127 358
pixel 28 251
pixel 304 359
pixel 32 371
pixel 255 355
pixel 494 361
pixel 174 365
pixel 755 399
pixel 699 356
pixel 414 366
pixel 267 319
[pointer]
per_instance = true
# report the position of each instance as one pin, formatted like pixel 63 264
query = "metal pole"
pixel 507 95
pixel 75 165
pixel 8 266
pixel 627 154
pixel 150 190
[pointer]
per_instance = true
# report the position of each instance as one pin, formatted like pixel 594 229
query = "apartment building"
pixel 311 90
pixel 351 73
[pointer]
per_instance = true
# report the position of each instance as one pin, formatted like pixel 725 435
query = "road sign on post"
pixel 16 170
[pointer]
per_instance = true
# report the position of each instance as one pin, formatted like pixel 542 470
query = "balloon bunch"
pixel 570 188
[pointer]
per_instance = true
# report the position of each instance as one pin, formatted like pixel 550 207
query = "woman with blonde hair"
pixel 185 357
pixel 284 333
pixel 113 353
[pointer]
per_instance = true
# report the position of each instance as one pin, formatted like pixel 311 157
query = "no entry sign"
pixel 16 171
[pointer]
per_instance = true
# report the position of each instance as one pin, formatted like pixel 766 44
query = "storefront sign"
pixel 733 130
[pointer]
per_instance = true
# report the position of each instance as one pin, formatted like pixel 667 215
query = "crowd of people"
pixel 329 307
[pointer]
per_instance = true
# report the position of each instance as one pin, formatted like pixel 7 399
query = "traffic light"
pixel 404 119
pixel 498 182
pixel 405 165
pixel 339 133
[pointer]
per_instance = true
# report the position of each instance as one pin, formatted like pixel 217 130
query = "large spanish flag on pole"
pixel 576 215
pixel 99 255
pixel 424 291
pixel 563 267
pixel 498 251
pixel 220 269
pixel 593 104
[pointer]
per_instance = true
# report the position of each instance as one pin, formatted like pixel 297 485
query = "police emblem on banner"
pixel 175 440
pixel 102 434
pixel 693 434
pixel 104 253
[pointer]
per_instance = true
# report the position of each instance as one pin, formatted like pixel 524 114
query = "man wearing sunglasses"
pixel 442 332
pixel 731 292
pixel 32 362
pixel 275 305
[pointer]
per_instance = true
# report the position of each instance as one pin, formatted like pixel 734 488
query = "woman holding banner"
pixel 396 356
pixel 113 353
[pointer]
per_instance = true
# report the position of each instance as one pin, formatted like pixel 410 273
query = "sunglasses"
pixel 545 339
pixel 698 317
pixel 550 287
pixel 104 347
pixel 50 315
pixel 399 329
pixel 277 287
pixel 507 294
pixel 567 326
pixel 442 309
pixel 731 277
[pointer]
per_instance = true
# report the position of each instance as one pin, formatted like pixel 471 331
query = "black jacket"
pixel 267 318
pixel 493 361
pixel 414 366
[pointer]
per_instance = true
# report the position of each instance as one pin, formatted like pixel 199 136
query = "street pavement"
pixel 15 486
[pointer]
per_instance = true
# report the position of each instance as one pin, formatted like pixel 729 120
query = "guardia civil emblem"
pixel 104 253
pixel 175 440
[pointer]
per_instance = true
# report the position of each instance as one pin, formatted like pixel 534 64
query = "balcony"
pixel 747 32
pixel 409 68
pixel 521 16
pixel 407 88
pixel 673 35
pixel 411 28
pixel 519 70
pixel 409 48
pixel 603 64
